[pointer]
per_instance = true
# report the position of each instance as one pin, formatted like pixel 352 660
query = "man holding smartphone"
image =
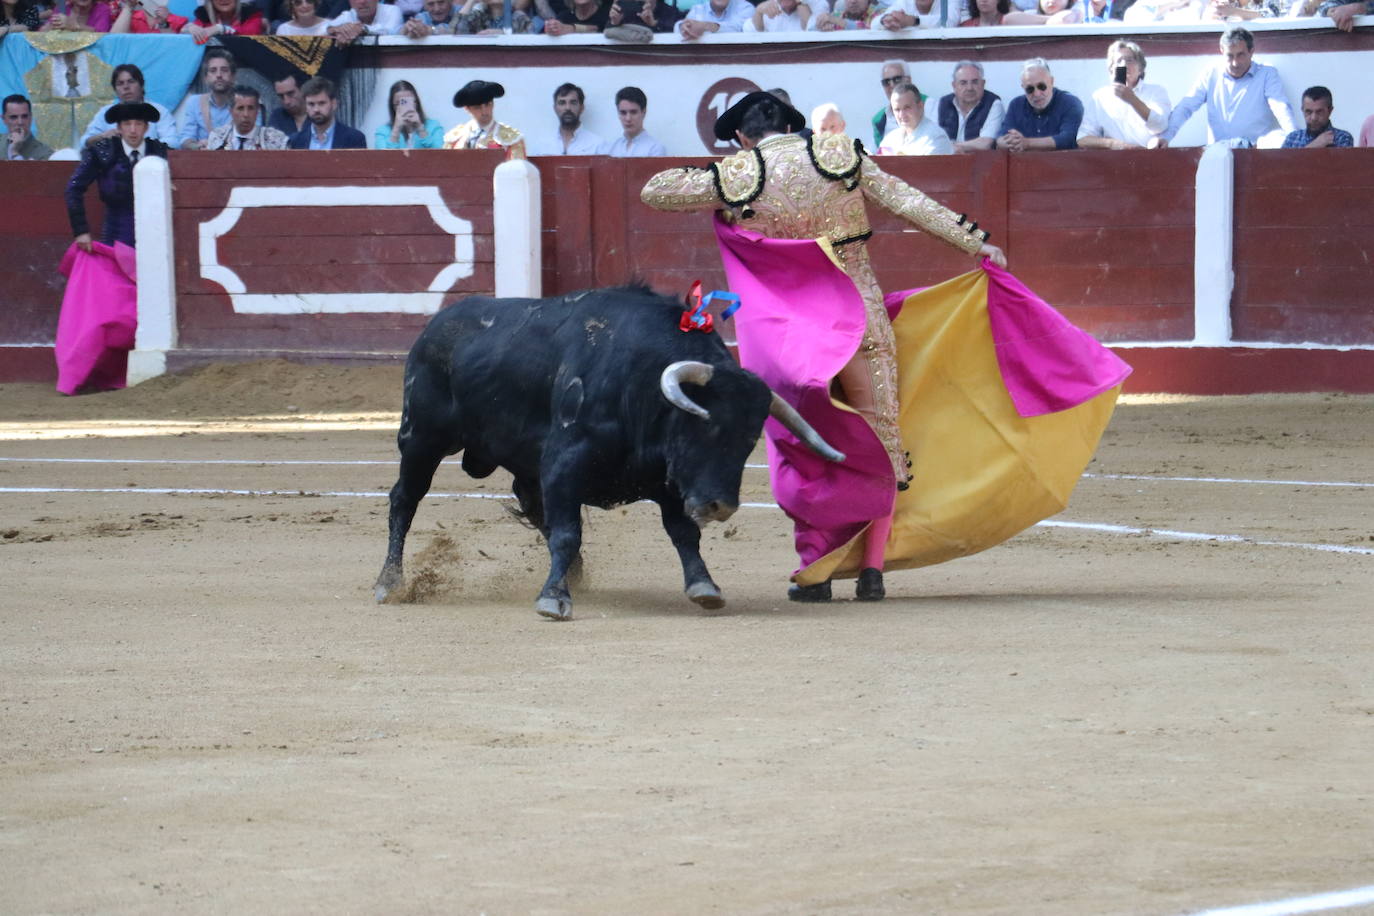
pixel 1127 112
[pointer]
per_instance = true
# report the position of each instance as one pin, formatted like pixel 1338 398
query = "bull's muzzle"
pixel 715 510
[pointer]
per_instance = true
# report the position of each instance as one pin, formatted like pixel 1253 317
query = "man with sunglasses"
pixel 1044 118
pixel 895 72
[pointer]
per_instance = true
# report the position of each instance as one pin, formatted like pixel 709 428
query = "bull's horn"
pixel 787 415
pixel 670 383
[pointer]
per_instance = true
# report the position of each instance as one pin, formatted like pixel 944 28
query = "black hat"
pixel 477 92
pixel 728 123
pixel 132 111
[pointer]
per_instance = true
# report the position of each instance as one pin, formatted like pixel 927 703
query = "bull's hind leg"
pixel 420 458
pixel 686 537
pixel 532 511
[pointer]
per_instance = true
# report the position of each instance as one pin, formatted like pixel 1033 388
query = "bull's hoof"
pixel 554 608
pixel 388 580
pixel 810 594
pixel 705 595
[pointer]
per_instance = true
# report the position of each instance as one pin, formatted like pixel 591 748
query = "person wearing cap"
pixel 482 130
pixel 109 163
pixel 915 134
pixel 785 187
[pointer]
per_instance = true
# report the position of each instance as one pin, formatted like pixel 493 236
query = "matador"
pixel 785 186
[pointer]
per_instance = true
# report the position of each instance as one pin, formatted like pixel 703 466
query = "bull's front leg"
pixel 561 488
pixel 686 537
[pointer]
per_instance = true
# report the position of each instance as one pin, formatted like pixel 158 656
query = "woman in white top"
pixel 303 20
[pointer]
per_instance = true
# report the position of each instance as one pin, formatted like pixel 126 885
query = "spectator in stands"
pixel 580 16
pixel 21 144
pixel 571 139
pixel 225 17
pixel 990 13
pixel 893 74
pixel 1097 11
pixel 780 16
pixel 244 130
pixel 826 120
pixel 1317 106
pixel 201 114
pixel 1245 100
pixel 438 18
pixel 1343 14
pixel 715 16
pixel 1048 12
pixel 848 15
pixel 305 20
pixel 154 18
pixel 290 118
pixel 905 14
pixel 364 17
pixel 1367 132
pixel 494 17
pixel 127 82
pixel 915 134
pixel 111 163
pixel 324 131
pixel 970 115
pixel 1044 118
pixel 89 16
pixel 1128 112
pixel 407 127
pixel 483 131
pixel 19 16
pixel 1149 12
pixel 638 20
pixel 630 106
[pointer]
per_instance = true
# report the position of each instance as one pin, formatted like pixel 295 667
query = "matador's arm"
pixel 688 188
pixel 913 206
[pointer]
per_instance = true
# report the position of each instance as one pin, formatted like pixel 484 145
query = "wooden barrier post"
pixel 157 297
pixel 1213 240
pixel 516 225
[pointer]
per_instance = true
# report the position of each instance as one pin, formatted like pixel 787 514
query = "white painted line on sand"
pixel 1335 900
pixel 1274 483
pixel 1160 533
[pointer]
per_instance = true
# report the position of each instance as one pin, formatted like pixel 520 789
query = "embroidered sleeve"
pixel 687 188
pixel 911 205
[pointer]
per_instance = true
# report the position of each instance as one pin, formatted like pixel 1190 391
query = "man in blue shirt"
pixel 1245 100
pixel 1317 106
pixel 1043 118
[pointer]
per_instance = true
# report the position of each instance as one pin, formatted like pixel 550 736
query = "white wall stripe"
pixel 1335 900
pixel 393 462
pixel 1159 533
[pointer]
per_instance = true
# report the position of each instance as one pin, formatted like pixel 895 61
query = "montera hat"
pixel 728 123
pixel 477 92
pixel 131 111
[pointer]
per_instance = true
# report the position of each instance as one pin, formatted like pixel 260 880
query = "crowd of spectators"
pixel 629 20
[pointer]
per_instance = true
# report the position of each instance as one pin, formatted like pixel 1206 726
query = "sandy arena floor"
pixel 204 711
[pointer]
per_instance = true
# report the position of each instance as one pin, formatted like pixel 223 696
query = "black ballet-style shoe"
pixel 904 485
pixel 869 586
pixel 810 594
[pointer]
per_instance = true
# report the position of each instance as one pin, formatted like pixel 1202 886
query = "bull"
pixel 595 398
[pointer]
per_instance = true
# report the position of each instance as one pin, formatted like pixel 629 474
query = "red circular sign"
pixel 714 103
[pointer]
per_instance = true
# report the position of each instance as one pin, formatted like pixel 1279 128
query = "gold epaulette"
pixel 837 157
pixel 739 178
pixel 506 135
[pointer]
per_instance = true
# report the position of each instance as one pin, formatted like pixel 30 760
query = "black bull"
pixel 595 398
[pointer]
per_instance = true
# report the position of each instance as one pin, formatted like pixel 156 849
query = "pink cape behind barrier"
pixel 95 329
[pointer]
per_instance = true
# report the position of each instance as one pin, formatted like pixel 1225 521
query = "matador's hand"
pixel 993 254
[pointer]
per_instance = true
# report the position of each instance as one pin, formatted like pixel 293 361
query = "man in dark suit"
pixel 110 163
pixel 322 131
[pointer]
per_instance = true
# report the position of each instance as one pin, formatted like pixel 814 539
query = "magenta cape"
pixel 977 357
pixel 95 329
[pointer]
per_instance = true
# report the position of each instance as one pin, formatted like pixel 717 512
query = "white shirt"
pixel 129 151
pixel 641 145
pixel 736 14
pixel 290 28
pixel 926 140
pixel 782 22
pixel 99 126
pixel 387 21
pixel 1107 116
pixel 583 143
pixel 992 126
